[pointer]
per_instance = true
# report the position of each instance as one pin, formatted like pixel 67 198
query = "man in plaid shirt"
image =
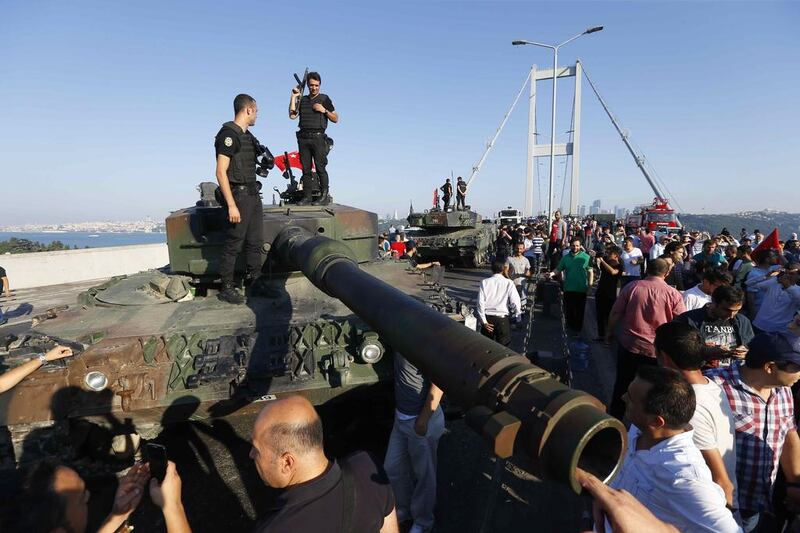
pixel 766 435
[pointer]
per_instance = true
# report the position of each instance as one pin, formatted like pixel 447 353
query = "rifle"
pixel 301 84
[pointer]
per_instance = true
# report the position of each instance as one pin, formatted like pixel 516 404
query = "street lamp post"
pixel 553 114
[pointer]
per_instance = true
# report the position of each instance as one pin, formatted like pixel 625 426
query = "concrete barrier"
pixel 68 266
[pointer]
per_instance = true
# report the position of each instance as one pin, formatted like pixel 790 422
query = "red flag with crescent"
pixel 294 161
pixel 770 243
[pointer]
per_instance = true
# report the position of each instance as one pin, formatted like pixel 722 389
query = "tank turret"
pixel 453 237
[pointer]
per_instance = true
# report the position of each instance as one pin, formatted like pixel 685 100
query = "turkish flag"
pixel 294 161
pixel 770 243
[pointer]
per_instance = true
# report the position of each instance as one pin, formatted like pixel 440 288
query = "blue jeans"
pixel 750 523
pixel 411 467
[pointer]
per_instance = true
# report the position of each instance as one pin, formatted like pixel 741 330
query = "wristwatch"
pixel 42 359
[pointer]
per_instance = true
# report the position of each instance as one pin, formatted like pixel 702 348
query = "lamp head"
pixel 517 43
pixel 592 30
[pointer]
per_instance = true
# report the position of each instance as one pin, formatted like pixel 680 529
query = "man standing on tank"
pixel 461 194
pixel 447 193
pixel 236 150
pixel 315 110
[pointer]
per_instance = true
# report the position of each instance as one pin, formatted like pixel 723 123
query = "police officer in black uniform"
pixel 461 193
pixel 315 110
pixel 447 193
pixel 237 151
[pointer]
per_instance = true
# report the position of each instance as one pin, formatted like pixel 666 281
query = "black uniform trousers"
pixel 446 200
pixel 313 146
pixel 502 329
pixel 554 252
pixel 247 234
pixel 574 306
pixel 603 302
pixel 461 201
pixel 628 364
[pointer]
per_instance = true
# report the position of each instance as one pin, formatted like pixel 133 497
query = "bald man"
pixel 318 495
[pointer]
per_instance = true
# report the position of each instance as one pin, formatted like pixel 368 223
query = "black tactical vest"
pixel 310 120
pixel 243 163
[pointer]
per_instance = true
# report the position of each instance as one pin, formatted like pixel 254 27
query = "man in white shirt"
pixel 497 299
pixel 781 298
pixel 663 469
pixel 700 295
pixel 632 260
pixel 680 347
pixel 658 248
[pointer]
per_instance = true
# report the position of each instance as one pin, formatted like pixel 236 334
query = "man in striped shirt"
pixel 760 397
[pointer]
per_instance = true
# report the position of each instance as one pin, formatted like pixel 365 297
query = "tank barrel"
pixel 518 408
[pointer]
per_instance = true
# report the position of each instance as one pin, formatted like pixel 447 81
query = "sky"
pixel 109 108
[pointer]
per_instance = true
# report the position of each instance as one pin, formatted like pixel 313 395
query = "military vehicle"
pixel 322 321
pixel 457 237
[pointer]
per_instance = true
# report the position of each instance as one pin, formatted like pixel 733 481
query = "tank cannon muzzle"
pixel 518 408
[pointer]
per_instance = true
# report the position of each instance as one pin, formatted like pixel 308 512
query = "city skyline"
pixel 126 118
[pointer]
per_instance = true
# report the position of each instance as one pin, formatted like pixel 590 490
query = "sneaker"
pixel 231 295
pixel 3 321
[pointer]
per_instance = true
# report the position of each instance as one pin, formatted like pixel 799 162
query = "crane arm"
pixel 639 159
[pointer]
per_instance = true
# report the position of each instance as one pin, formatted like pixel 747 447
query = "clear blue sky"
pixel 109 109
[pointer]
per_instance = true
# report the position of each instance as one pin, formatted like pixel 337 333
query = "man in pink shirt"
pixel 640 308
pixel 646 242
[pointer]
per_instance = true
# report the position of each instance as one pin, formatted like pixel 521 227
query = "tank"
pixel 155 345
pixel 322 320
pixel 457 237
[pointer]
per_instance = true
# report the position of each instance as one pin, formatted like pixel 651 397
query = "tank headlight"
pixel 96 381
pixel 370 351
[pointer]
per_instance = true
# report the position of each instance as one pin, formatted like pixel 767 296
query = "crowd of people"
pixel 707 335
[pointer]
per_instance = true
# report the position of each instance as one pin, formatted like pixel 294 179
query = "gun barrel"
pixel 518 408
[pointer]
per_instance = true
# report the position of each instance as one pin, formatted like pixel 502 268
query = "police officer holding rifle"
pixel 314 110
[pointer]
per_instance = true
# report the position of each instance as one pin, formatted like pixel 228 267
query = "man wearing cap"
pixel 760 397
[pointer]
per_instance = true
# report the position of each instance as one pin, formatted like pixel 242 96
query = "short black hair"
pixel 657 267
pixel 745 248
pixel 313 76
pixel 717 275
pixel 682 343
pixel 498 265
pixel 672 246
pixel 41 507
pixel 670 396
pixel 576 239
pixel 727 294
pixel 241 102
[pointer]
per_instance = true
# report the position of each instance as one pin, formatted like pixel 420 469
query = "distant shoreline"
pixel 88 239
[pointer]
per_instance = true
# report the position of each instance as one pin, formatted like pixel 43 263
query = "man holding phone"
pixel 724 330
pixel 55 498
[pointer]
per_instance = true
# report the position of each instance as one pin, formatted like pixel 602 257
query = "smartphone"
pixel 156 456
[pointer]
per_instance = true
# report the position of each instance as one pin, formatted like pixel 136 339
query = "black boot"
pixel 230 294
pixel 326 198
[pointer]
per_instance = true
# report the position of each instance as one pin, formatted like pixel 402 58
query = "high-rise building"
pixel 582 210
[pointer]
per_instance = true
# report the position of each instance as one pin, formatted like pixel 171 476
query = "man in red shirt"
pixel 398 247
pixel 640 308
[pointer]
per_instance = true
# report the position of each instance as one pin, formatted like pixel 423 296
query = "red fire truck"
pixel 658 216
